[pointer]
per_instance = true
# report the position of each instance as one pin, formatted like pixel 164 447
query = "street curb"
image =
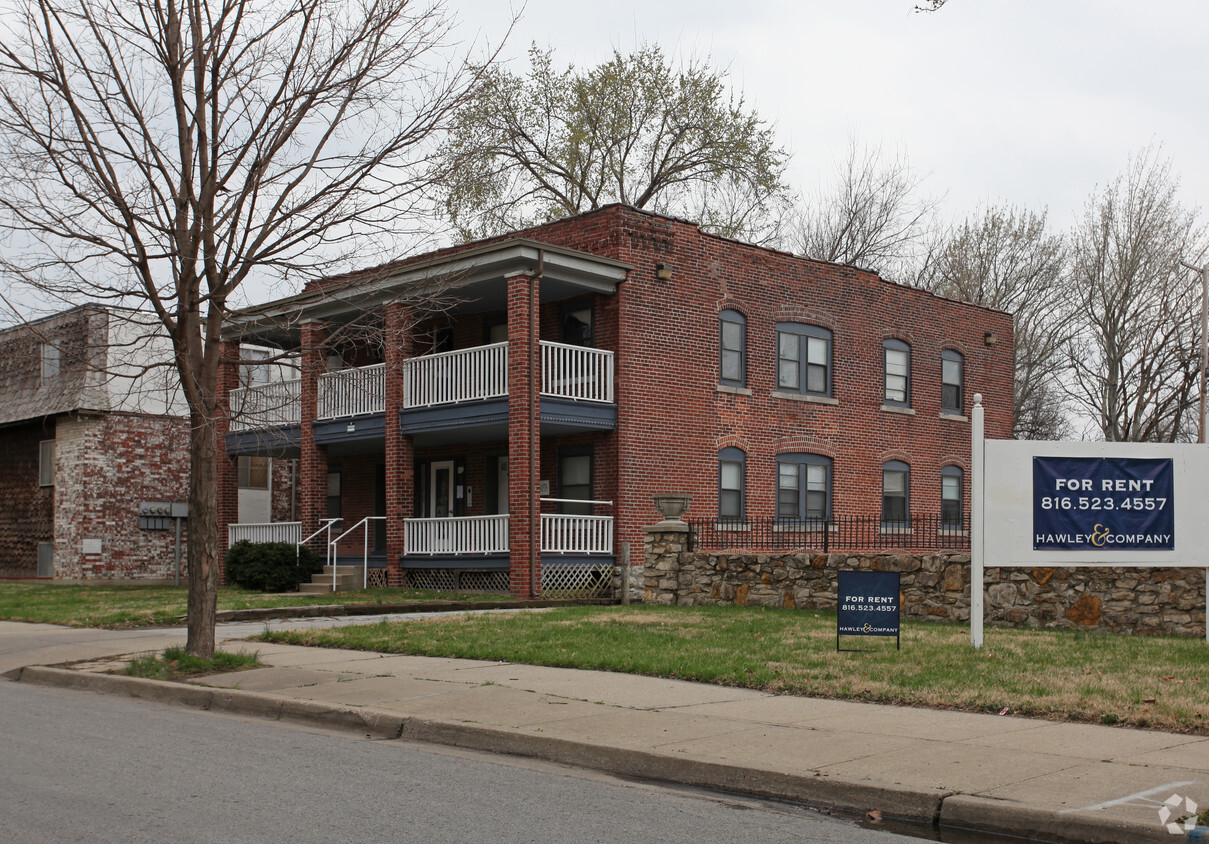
pixel 334 610
pixel 926 805
pixel 970 812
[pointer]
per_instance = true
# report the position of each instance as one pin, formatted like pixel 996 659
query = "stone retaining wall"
pixel 936 586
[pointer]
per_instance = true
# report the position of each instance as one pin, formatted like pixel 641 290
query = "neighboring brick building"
pixel 606 358
pixel 90 426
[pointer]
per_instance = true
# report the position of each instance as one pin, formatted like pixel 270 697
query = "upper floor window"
pixel 46 463
pixel 732 465
pixel 803 359
pixel 732 344
pixel 950 497
pixel 803 486
pixel 896 492
pixel 897 355
pixel 253 472
pixel 952 374
pixel 50 361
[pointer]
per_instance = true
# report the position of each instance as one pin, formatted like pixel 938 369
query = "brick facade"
pixel 26 508
pixel 673 415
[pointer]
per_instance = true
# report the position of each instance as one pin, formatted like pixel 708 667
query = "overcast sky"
pixel 1034 103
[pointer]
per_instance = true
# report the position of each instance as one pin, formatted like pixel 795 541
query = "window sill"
pixel 897 531
pixel 905 411
pixel 805 397
pixel 734 391
pixel 798 527
pixel 952 532
pixel 953 417
pixel 732 527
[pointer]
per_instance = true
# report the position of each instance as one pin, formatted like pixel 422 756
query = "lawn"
pixel 123 605
pixel 1152 681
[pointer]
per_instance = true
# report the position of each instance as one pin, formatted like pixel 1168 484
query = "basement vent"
pixel 46 559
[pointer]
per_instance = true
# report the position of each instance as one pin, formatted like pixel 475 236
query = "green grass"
pixel 125 605
pixel 175 664
pixel 1153 681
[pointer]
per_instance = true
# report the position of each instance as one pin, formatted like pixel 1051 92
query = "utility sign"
pixel 1103 504
pixel 867 604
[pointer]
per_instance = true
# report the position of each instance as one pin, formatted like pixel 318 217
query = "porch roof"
pixel 470 280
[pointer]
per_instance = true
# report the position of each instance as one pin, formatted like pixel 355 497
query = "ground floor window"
pixel 803 486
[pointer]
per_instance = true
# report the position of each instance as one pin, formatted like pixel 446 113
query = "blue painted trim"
pixel 578 559
pixel 595 415
pixel 487 562
pixel 368 427
pixel 460 415
pixel 264 441
pixel 376 561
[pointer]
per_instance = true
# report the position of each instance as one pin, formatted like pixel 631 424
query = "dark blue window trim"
pixel 896 373
pixel 732 348
pixel 804 359
pixel 896 493
pixel 952 392
pixel 732 500
pixel 799 496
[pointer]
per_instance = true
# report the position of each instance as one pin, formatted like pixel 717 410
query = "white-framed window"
pixel 50 358
pixel 46 463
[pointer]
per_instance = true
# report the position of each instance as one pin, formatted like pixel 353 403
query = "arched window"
pixel 896 493
pixel 897 358
pixel 952 376
pixel 732 485
pixel 951 497
pixel 732 349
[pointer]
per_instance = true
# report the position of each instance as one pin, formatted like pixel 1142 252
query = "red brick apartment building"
pixel 90 428
pixel 513 436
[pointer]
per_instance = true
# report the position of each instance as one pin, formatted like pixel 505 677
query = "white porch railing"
pixel 462 375
pixel 457 535
pixel 352 392
pixel 470 535
pixel 576 372
pixel 564 534
pixel 289 532
pixel 266 405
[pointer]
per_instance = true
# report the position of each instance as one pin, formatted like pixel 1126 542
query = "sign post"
pixel 867 604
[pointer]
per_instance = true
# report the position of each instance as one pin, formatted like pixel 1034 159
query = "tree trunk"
pixel 203 535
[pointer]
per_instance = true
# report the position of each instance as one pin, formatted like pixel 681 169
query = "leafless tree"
pixel 1007 258
pixel 635 129
pixel 1134 361
pixel 873 215
pixel 163 153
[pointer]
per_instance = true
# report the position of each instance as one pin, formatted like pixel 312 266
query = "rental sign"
pixel 1103 503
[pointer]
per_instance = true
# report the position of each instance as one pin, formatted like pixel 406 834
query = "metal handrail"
pixel 327 526
pixel 332 549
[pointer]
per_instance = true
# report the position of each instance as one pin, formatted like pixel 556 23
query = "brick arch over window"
pixel 960 461
pixel 894 454
pixel 733 441
pixel 805 315
pixel 805 444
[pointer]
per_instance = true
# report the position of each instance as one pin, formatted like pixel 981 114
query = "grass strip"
pixel 176 664
pixel 129 605
pixel 1152 681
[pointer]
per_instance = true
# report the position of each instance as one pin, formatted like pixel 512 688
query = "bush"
pixel 271 566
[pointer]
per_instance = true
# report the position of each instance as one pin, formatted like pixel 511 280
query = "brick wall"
pixel 26 509
pixel 106 465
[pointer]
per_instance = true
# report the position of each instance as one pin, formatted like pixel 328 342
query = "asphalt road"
pixel 82 767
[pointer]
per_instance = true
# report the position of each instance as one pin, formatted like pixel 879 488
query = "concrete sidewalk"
pixel 1053 781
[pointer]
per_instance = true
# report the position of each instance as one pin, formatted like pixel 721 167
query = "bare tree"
pixel 1006 258
pixel 1134 361
pixel 161 153
pixel 873 215
pixel 633 130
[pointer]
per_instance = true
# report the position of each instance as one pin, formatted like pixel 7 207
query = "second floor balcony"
pixel 571 377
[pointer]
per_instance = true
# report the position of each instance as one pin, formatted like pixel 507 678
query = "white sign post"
pixel 1083 504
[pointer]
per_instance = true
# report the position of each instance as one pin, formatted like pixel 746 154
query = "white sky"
pixel 1034 103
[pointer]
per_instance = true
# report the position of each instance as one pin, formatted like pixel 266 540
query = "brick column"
pixel 524 437
pixel 312 463
pixel 228 466
pixel 400 451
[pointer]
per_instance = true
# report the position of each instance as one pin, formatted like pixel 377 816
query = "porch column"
pixel 228 467
pixel 312 462
pixel 400 452
pixel 524 437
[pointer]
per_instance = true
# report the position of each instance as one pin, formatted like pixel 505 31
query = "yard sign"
pixel 1069 504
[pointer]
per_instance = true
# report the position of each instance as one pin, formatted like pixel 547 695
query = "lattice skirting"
pixel 377 579
pixel 577 581
pixel 457 580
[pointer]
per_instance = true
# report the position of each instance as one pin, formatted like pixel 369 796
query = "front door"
pixel 501 486
pixel 440 489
